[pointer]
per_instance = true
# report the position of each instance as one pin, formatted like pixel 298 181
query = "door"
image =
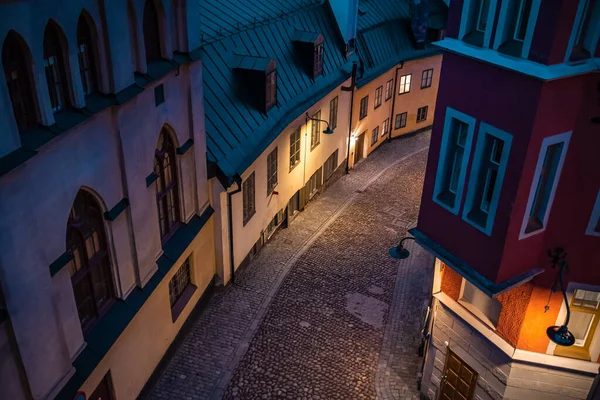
pixel 458 380
pixel 359 148
pixel 104 390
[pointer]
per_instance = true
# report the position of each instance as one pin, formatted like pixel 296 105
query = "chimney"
pixel 418 23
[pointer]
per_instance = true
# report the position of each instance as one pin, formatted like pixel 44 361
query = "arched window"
pixel 90 270
pixel 54 66
pixel 167 195
pixel 85 50
pixel 133 35
pixel 151 32
pixel 17 74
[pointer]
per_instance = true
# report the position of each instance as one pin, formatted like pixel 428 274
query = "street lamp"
pixel 400 252
pixel 327 131
pixel 560 334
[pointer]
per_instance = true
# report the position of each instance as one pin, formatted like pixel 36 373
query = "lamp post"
pixel 327 131
pixel 560 334
pixel 400 252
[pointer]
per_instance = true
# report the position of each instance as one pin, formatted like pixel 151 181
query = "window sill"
pixel 511 48
pixel 182 301
pixel 400 94
pixel 475 38
pixel 376 107
pixel 533 225
pixel 423 120
pixel 363 117
pixel 425 87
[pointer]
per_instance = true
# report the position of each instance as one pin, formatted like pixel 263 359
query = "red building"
pixel 513 174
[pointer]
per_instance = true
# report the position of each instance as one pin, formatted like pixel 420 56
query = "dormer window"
pixel 270 90
pixel 474 27
pixel 585 33
pixel 318 60
pixel 522 20
pixel 482 15
pixel 517 19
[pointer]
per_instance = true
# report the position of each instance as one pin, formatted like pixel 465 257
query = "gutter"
pixel 351 89
pixel 392 122
pixel 237 179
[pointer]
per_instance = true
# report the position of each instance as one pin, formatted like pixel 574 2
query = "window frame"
pixel 333 112
pixel 546 143
pixel 402 86
pixel 378 97
pixel 522 4
pixel 374 135
pixel 272 171
pixel 476 166
pixel 502 35
pixel 248 198
pixel 318 57
pixel 594 218
pixel 185 293
pixel 364 108
pixel 168 147
pixel 403 118
pixel 389 89
pixel 270 89
pixel 427 78
pixel 315 130
pixel 583 12
pixel 453 114
pixel 88 70
pixel 386 127
pixel 295 148
pixel 419 113
pixel 480 10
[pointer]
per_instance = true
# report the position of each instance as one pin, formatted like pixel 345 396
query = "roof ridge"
pixel 265 21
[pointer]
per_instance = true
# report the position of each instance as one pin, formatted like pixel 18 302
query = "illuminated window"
pixel 404 86
pixel 378 96
pixel 582 324
pixel 364 107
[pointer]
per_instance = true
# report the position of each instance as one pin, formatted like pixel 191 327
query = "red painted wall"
pixel 461 84
pixel 552 31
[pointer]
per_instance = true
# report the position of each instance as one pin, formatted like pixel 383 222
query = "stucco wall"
pixel 11 386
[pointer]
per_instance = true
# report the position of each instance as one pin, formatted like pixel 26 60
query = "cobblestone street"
pixel 323 312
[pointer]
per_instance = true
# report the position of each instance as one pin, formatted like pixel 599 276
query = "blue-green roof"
pixel 238 132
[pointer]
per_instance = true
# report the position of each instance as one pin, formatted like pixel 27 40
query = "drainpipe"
pixel 392 121
pixel 350 89
pixel 238 180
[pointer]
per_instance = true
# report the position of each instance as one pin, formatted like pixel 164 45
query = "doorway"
pixel 458 380
pixel 359 148
pixel 104 390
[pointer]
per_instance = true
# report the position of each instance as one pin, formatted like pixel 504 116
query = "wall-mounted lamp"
pixel 560 334
pixel 400 252
pixel 327 131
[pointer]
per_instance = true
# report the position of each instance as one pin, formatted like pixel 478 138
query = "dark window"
pixel 294 148
pixel 404 86
pixel 389 88
pixel 270 90
pixel 378 95
pixel 90 269
pixel 159 94
pixel 54 67
pixel 314 183
pixel 422 113
pixel 330 165
pixel 522 19
pixel 179 282
pixel 167 191
pixel 583 45
pixel 315 131
pixel 426 78
pixel 364 107
pixel 333 112
pixel 271 171
pixel 17 73
pixel 374 135
pixel 318 60
pixel 455 154
pixel 133 35
pixel 386 127
pixel 483 7
pixel 400 121
pixel 85 49
pixel 248 200
pixel 151 32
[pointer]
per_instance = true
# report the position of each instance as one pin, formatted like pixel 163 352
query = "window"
pixel 314 183
pixel 18 79
pixel 330 165
pixel 54 68
pixel 400 120
pixel 181 289
pixel 151 32
pixel 404 84
pixel 294 148
pixel 484 307
pixel 389 88
pixel 386 127
pixel 364 107
pixel 85 51
pixel 248 200
pixel 522 20
pixel 582 324
pixel 375 135
pixel 333 113
pixel 594 224
pixel 133 36
pixel 90 269
pixel 545 180
pixel 422 113
pixel 315 130
pixel 378 95
pixel 486 177
pixel 270 90
pixel 318 60
pixel 483 7
pixel 454 155
pixel 167 191
pixel 426 78
pixel 159 95
pixel 271 171
pixel 584 37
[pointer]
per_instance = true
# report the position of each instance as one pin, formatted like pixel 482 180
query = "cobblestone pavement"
pixel 323 312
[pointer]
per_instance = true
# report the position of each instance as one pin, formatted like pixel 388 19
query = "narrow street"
pixel 323 312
